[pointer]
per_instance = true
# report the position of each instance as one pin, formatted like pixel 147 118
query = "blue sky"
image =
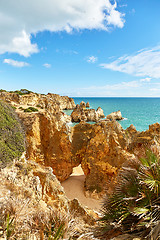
pixel 81 47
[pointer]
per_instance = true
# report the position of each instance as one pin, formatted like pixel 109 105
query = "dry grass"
pixel 23 213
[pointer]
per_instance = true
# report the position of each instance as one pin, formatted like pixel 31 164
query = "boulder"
pixel 82 104
pixel 100 113
pixel 87 105
pixel 115 116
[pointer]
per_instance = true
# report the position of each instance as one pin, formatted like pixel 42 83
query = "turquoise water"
pixel 141 112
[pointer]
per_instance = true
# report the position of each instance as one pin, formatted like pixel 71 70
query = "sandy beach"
pixel 73 188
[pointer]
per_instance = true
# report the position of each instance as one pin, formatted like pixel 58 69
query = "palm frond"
pixel 135 200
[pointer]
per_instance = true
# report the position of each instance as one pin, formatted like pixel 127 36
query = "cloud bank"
pixel 135 88
pixel 145 63
pixel 19 19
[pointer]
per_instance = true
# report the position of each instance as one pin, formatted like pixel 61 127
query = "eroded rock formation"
pixel 80 113
pixel 34 99
pixel 33 198
pixel 115 115
pixel 87 105
pixel 101 148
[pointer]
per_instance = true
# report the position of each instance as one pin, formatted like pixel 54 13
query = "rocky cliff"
pixel 101 148
pixel 115 116
pixel 80 113
pixel 44 101
pixel 33 205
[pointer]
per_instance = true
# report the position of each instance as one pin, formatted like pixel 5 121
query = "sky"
pixel 81 48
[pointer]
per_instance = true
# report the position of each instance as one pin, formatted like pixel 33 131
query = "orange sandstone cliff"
pixel 101 148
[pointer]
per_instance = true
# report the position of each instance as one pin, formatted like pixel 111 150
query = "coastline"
pixel 139 111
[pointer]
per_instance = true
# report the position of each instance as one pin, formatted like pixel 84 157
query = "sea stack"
pixel 115 116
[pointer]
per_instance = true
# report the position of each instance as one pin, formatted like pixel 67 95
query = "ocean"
pixel 141 112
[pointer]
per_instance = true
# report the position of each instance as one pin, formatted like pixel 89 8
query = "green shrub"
pixel 39 106
pixel 21 108
pixel 31 109
pixel 21 91
pixel 12 140
pixel 134 205
pixel 2 90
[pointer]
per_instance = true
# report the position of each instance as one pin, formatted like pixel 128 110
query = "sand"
pixel 73 188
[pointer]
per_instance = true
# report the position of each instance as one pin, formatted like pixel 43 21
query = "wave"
pixel 69 123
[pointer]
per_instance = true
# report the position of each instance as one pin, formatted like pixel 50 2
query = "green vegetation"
pixel 31 109
pixel 12 143
pixel 2 90
pixel 9 226
pixel 39 106
pixel 52 229
pixel 21 108
pixel 134 205
pixel 21 91
pixel 55 229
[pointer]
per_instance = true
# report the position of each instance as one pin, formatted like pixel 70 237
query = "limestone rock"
pixel 33 194
pixel 82 104
pixel 88 115
pixel 87 105
pixel 64 101
pixel 100 113
pixel 101 149
pixel 48 145
pixel 115 115
pixel 33 99
pixel 142 141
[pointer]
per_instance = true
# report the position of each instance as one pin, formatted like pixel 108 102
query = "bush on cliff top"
pixel 22 91
pixel 12 140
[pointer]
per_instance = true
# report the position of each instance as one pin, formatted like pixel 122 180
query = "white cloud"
pixel 92 59
pixel 145 79
pixel 20 44
pixel 113 17
pixel 118 86
pixel 131 88
pixel 154 89
pixel 123 5
pixel 47 65
pixel 135 88
pixel 15 63
pixel 145 63
pixel 19 19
